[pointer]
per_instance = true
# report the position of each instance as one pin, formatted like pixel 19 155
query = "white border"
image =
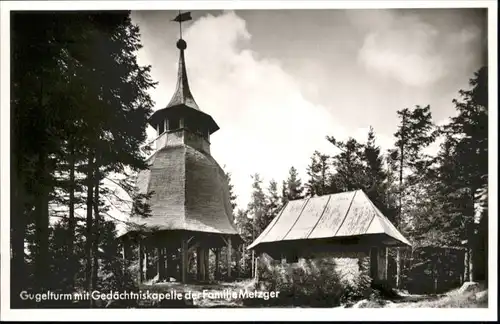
pixel 290 314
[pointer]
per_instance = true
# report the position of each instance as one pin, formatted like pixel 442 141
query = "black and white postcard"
pixel 249 160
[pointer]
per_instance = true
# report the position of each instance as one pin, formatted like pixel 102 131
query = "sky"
pixel 278 82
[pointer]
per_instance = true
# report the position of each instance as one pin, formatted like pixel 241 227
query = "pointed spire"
pixel 182 95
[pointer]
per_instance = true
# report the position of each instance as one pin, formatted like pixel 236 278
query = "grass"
pixel 452 299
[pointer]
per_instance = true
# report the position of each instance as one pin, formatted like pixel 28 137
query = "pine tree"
pixel 273 199
pixel 292 187
pixel 257 207
pixel 78 95
pixel 124 105
pixel 284 194
pixel 40 116
pixel 246 230
pixel 350 171
pixel 113 275
pixel 468 132
pixel 377 185
pixel 244 225
pixel 414 134
pixel 232 196
pixel 319 175
pixel 374 161
pixel 270 208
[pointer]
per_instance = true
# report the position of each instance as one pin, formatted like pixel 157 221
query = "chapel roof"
pixel 340 215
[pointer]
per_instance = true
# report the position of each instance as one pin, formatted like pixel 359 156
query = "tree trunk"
pixel 466 266
pixel 229 257
pixel 400 211
pixel 18 233
pixel 95 229
pixel 471 264
pixel 439 270
pixel 435 278
pixel 471 239
pixel 484 240
pixel 146 261
pixel 256 273
pixel 71 221
pixel 141 257
pixel 398 268
pixel 89 238
pixel 42 225
pixel 253 262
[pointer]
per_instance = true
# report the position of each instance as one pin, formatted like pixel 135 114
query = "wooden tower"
pixel 191 209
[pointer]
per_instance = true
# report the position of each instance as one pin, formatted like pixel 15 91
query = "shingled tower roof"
pixel 190 192
pixel 182 102
pixel 182 94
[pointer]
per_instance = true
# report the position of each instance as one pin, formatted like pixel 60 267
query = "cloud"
pixel 413 51
pixel 267 125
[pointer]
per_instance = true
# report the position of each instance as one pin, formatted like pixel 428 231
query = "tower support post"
pixel 141 260
pixel 161 263
pixel 229 257
pixel 217 260
pixel 184 260
pixel 206 265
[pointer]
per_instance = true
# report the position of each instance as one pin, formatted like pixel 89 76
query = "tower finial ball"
pixel 181 44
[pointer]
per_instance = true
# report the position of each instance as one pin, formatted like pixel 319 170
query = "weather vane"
pixel 180 18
